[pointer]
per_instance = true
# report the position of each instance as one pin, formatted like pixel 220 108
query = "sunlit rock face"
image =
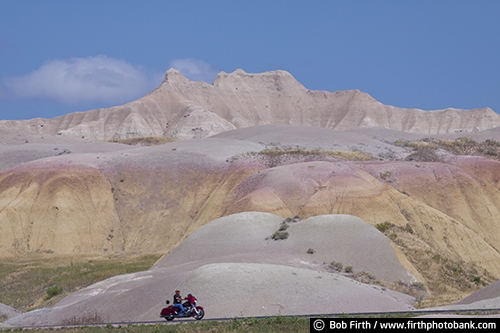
pixel 185 109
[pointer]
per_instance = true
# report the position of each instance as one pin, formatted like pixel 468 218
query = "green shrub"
pixel 283 226
pixel 53 291
pixel 310 251
pixel 491 151
pixel 418 285
pixel 402 143
pixel 337 265
pixel 365 276
pixel 383 227
pixel 278 235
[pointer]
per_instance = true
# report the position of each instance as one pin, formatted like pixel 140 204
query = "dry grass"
pixel 273 157
pixel 261 325
pixel 84 319
pixel 25 281
pixel 146 141
pixel 446 280
pixel 425 150
pixel 416 290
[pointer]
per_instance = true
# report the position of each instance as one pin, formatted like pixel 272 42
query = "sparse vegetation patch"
pixel 337 266
pixel 277 156
pixel 446 279
pixel 281 234
pixel 236 325
pixel 385 175
pixel 383 227
pixel 35 281
pixel 53 291
pixel 85 319
pixel 426 150
pixel 416 289
pixel 146 141
pixel 283 227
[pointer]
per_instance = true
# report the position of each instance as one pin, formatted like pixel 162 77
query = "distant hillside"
pixel 183 109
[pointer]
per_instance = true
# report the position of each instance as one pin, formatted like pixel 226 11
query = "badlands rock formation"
pixel 234 269
pixel 183 109
pixel 64 192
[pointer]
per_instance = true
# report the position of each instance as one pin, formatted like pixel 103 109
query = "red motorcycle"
pixel 190 310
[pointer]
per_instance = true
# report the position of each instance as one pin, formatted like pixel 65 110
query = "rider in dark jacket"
pixel 178 301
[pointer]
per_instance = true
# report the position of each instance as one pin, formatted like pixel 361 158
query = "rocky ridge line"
pixel 184 109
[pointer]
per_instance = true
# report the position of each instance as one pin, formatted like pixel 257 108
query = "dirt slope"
pixel 7 311
pixel 94 199
pixel 234 269
pixel 129 198
pixel 147 199
pixel 39 206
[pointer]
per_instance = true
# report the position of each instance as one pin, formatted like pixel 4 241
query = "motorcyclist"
pixel 178 302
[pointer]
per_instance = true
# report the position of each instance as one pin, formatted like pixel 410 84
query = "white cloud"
pixel 91 79
pixel 195 70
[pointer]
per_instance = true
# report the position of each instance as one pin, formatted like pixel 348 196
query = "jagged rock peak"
pixel 239 79
pixel 173 75
pixel 241 73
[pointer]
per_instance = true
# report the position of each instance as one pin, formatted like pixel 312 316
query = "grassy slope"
pixel 35 281
pixel 266 325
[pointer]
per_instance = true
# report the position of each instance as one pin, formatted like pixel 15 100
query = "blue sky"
pixel 61 56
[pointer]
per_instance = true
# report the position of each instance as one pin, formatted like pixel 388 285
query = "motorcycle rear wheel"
pixel 199 315
pixel 169 318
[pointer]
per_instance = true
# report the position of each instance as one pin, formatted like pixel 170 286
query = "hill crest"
pixel 185 109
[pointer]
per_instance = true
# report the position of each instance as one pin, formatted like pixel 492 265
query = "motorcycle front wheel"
pixel 199 315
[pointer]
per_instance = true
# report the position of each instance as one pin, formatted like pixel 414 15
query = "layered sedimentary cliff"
pixel 184 109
